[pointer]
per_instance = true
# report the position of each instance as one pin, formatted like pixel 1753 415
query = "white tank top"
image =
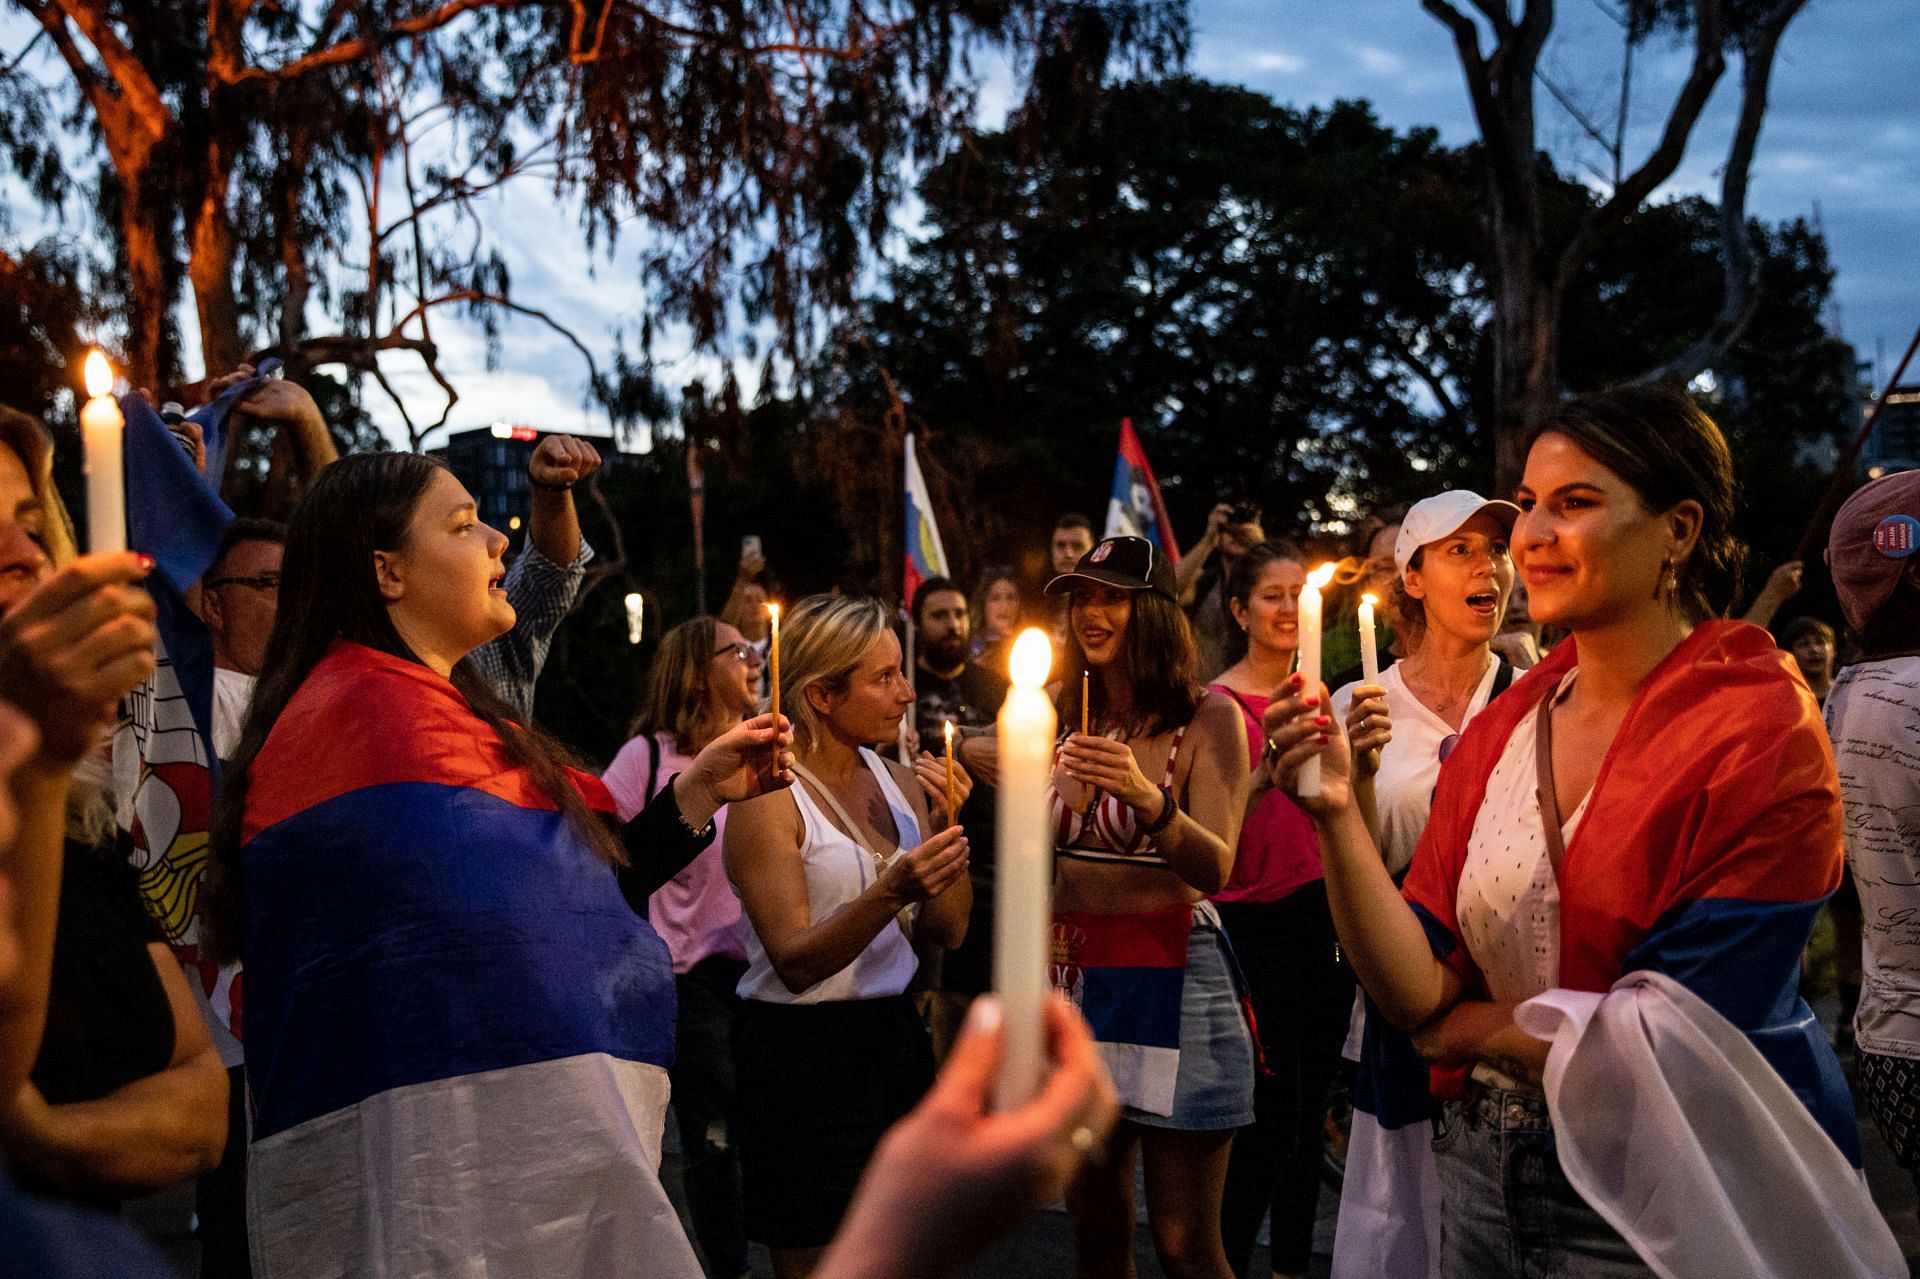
pixel 838 870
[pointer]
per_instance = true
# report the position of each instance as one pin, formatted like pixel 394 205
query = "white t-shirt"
pixel 232 692
pixel 1873 716
pixel 1410 763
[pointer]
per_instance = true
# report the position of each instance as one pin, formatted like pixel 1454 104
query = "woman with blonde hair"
pixel 704 681
pixel 127 1094
pixel 828 1050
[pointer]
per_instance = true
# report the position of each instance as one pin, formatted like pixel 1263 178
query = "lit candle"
pixel 636 617
pixel 1023 871
pixel 1084 703
pixel 953 808
pixel 1369 647
pixel 1310 615
pixel 773 661
pixel 102 431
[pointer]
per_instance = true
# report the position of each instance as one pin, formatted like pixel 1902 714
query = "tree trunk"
pixel 210 259
pixel 149 356
pixel 1526 383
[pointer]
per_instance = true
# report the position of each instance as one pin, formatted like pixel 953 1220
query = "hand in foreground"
pixel 276 401
pixel 561 461
pixel 1110 766
pixel 1299 729
pixel 950 1178
pixel 73 646
pixel 748 759
pixel 1369 729
pixel 923 873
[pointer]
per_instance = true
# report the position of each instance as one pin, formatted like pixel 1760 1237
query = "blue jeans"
pixel 1508 1207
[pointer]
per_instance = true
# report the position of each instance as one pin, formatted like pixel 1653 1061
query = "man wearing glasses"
pixel 238 597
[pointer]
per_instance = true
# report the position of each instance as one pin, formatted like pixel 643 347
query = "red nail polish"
pixel 1312 701
pixel 146 561
pixel 1322 720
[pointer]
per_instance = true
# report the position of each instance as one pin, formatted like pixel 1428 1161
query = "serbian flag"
pixel 925 556
pixel 1135 508
pixel 164 765
pixel 457 1028
pixel 1125 973
pixel 1389 1225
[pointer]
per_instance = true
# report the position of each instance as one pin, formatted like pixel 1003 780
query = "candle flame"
pixel 634 601
pixel 1370 599
pixel 1032 659
pixel 99 374
pixel 1321 577
pixel 949 732
pixel 773 612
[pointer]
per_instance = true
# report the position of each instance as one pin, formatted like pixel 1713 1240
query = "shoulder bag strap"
pixel 1543 772
pixel 1502 678
pixel 832 801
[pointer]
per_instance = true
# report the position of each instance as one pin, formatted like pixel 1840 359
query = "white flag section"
pixel 926 557
pixel 1674 1127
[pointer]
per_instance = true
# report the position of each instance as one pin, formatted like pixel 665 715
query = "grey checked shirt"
pixel 542 593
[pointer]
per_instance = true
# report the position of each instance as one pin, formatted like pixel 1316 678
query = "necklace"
pixel 1437 696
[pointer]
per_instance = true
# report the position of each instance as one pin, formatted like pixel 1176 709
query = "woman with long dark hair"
pixel 1147 807
pixel 1624 858
pixel 457 1020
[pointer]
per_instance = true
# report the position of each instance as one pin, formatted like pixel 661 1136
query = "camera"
pixel 1244 513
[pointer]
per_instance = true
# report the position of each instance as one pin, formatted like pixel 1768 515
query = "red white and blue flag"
pixel 457 1028
pixel 1134 507
pixel 926 557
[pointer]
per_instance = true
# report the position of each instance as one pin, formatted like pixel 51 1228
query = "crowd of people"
pixel 1530 897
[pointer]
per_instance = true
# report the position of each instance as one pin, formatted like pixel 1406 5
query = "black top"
pixel 659 846
pixel 108 1019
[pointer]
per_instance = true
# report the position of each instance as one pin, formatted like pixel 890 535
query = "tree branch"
pixel 139 98
pixel 1709 61
pixel 1740 263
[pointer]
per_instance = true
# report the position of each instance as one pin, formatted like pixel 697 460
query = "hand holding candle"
pixel 1369 645
pixel 102 432
pixel 1023 879
pixel 1311 613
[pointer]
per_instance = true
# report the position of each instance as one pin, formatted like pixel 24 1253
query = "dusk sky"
pixel 1843 133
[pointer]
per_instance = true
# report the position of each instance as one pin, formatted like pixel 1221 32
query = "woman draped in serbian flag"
pixel 1598 945
pixel 458 1018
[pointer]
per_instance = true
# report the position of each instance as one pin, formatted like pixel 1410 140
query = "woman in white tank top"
pixel 828 1050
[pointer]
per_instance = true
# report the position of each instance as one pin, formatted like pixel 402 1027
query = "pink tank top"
pixel 1279 850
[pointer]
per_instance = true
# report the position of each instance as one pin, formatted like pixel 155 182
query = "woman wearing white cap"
pixel 1453 576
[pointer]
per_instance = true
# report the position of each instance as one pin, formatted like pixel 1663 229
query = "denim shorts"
pixel 1214 1087
pixel 1508 1209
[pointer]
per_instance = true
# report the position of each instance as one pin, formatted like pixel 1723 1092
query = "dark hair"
pixel 1801 627
pixel 927 590
pixel 990 577
pixel 1159 653
pixel 246 529
pixel 677 691
pixel 360 504
pixel 1244 577
pixel 1668 451
pixel 1073 520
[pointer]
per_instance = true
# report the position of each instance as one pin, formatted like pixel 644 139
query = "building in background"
pixel 1895 442
pixel 492 462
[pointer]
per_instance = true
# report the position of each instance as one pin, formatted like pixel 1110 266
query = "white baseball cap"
pixel 1441 516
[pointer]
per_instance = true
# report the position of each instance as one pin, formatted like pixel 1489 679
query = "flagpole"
pixel 911 720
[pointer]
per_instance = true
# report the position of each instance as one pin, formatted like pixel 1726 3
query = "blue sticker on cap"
pixel 1897 536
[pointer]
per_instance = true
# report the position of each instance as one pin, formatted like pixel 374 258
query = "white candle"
pixel 636 617
pixel 1023 871
pixel 1310 616
pixel 102 432
pixel 1369 647
pixel 773 662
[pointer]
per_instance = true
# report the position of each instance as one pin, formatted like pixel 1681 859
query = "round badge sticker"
pixel 1897 536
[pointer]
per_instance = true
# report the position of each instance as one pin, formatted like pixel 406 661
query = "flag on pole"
pixel 1135 508
pixel 925 556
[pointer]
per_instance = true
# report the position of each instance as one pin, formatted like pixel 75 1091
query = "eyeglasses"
pixel 268 582
pixel 745 652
